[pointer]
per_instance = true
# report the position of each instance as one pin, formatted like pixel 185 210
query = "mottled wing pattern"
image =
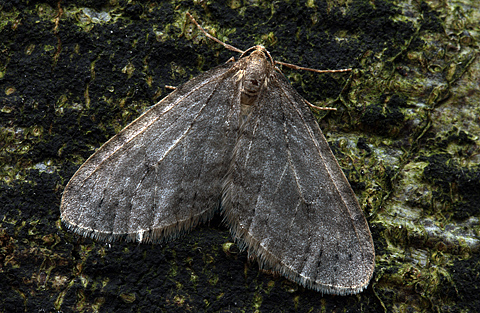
pixel 163 173
pixel 289 202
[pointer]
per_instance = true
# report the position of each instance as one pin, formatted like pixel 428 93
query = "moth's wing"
pixel 163 173
pixel 289 202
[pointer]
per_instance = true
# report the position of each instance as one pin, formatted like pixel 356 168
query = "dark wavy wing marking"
pixel 288 200
pixel 162 173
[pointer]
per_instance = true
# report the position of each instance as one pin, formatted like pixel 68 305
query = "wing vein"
pixel 146 126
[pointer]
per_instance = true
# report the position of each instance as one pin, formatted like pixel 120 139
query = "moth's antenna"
pixel 292 66
pixel 296 67
pixel 232 48
pixel 229 47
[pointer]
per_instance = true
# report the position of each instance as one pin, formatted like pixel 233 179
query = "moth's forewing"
pixel 163 173
pixel 287 198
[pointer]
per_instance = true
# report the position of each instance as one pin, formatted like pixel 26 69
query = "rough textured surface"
pixel 72 74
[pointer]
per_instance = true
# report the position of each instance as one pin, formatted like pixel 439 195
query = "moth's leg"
pixel 229 47
pixel 319 108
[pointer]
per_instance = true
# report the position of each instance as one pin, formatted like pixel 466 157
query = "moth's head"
pixel 259 54
pixel 258 64
pixel 253 72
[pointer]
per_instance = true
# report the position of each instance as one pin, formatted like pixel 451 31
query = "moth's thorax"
pixel 254 75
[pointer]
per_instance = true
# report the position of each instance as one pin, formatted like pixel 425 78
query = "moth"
pixel 239 139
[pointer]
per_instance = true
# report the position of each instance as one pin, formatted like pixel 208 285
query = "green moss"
pixel 405 132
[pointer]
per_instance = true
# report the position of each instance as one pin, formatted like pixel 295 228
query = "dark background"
pixel 74 73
